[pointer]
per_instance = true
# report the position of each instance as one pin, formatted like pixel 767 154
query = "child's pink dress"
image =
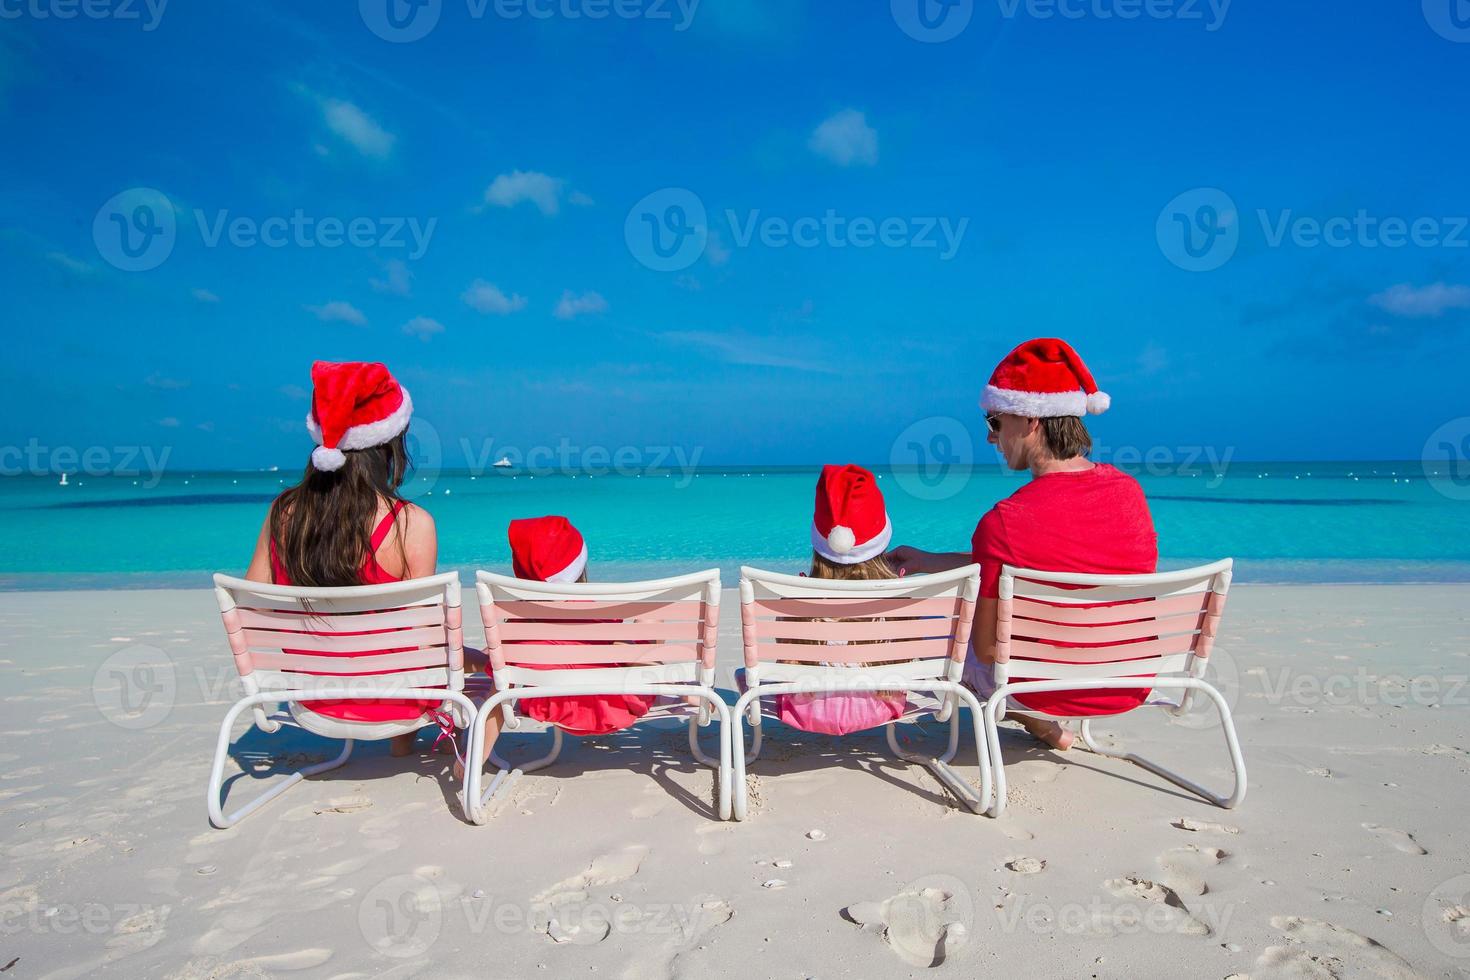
pixel 839 713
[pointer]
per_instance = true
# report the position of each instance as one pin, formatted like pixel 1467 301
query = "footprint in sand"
pixel 1399 840
pixel 562 912
pixel 925 924
pixel 1321 949
pixel 1204 826
pixel 1143 890
pixel 1185 867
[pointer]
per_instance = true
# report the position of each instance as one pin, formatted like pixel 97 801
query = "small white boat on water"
pixel 63 482
pixel 503 463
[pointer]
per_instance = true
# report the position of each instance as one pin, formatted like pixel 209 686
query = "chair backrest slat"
pixel 562 653
pixel 374 665
pixel 658 621
pixel 405 618
pixel 1106 612
pixel 815 621
pixel 346 643
pixel 848 606
pixel 593 631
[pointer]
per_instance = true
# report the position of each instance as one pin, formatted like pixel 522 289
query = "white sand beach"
pixel 1347 859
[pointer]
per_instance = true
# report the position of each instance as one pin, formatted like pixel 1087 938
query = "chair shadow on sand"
pixel 658 751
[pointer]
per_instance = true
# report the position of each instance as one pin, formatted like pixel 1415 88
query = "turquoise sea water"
pixel 1298 522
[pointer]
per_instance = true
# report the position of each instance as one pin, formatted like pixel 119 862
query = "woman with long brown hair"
pixel 345 524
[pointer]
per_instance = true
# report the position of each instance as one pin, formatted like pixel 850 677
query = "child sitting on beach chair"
pixel 850 530
pixel 550 549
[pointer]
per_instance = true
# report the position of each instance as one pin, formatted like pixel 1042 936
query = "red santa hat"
pixel 547 549
pixel 353 406
pixel 1042 379
pixel 851 523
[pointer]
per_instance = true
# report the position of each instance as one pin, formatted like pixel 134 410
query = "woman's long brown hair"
pixel 322 528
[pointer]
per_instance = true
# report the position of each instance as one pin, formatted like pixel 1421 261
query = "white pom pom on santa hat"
pixel 1098 402
pixel 841 540
pixel 328 460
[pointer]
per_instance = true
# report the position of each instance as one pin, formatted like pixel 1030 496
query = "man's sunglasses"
pixel 993 423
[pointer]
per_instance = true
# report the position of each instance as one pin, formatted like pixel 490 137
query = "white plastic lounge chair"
pixel 1165 626
pixel 664 628
pixel 921 620
pixel 400 641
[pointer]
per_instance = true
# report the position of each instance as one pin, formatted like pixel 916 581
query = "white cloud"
pixel 423 327
pixel 69 263
pixel 294 392
pixel 356 127
pixel 337 310
pixel 1434 300
pixel 738 348
pixel 1152 360
pixel 205 296
pixel 169 423
pixel 846 138
pixel 396 278
pixel 580 199
pixel 572 305
pixel 508 190
pixel 163 383
pixel 715 249
pixel 487 298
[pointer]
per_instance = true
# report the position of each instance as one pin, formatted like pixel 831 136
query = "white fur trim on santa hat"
pixel 1098 402
pixel 368 435
pixel 1035 404
pixel 573 571
pixel 827 547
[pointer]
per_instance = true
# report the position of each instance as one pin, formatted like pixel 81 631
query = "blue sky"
pixel 1028 170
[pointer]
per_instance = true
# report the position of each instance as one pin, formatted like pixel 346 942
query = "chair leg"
pixel 997 761
pixel 736 742
pixel 723 802
pixel 217 816
pixel 939 766
pixel 1232 743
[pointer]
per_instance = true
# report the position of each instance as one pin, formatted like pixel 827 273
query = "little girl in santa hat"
pixel 850 531
pixel 550 549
